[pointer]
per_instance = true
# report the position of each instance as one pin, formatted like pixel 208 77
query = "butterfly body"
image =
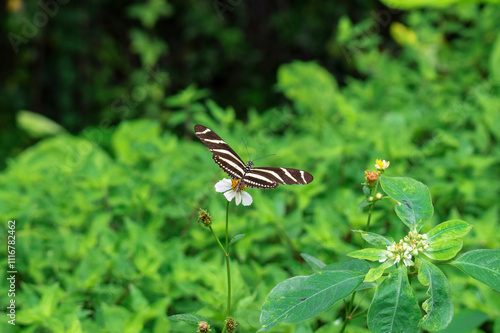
pixel 246 173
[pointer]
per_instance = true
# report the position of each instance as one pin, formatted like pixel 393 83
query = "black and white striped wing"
pixel 270 177
pixel 223 155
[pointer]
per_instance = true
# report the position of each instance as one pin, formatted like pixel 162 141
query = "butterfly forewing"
pixel 233 165
pixel 223 155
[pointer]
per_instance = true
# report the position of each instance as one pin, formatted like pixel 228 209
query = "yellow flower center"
pixel 234 184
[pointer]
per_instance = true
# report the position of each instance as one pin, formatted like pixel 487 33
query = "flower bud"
pixel 230 324
pixel 205 218
pixel 203 327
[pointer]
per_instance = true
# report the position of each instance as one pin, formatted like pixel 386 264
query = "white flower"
pixel 408 262
pixel 382 164
pixel 228 187
pixel 388 255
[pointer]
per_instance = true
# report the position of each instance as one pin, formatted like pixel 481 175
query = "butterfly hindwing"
pixel 286 176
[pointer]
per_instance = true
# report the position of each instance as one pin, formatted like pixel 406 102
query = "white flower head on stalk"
pixel 382 164
pixel 228 187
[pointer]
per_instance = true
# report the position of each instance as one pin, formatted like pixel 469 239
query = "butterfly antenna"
pixel 246 149
pixel 265 156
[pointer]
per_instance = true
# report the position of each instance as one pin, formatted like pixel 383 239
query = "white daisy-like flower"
pixel 228 187
pixel 382 164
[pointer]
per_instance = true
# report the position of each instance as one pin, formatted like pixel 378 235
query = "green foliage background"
pixel 106 236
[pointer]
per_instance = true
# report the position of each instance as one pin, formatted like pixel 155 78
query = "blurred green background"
pixel 102 172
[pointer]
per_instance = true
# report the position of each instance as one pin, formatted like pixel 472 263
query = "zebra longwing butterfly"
pixel 233 165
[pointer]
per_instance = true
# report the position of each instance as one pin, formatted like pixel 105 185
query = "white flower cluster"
pixel 407 248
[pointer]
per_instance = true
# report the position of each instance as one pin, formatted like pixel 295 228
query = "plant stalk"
pixel 226 255
pixel 227 263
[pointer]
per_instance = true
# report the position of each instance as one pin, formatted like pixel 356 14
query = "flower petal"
pixel 223 185
pixel 238 197
pixel 247 198
pixel 230 195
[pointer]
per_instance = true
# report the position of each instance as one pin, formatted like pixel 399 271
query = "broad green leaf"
pixel 374 273
pixel 190 318
pixel 394 307
pixel 315 263
pixel 439 306
pixel 236 238
pixel 482 265
pixel 495 60
pixel 302 297
pixel 403 35
pixel 444 249
pixel 466 321
pixel 449 229
pixel 308 84
pixel 51 295
pixel 136 140
pixel 375 239
pixel 369 254
pixel 414 206
pixel 349 265
pixel 36 125
pixel 75 325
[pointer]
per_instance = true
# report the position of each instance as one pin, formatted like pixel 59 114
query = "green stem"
pixel 226 254
pixel 218 241
pixel 359 314
pixel 227 263
pixel 348 307
pixel 344 325
pixel 372 206
pixel 359 303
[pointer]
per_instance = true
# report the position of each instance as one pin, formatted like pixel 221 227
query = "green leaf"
pixel 302 297
pixel 374 273
pixel 375 239
pixel 369 254
pixel 448 230
pixel 444 249
pixel 439 306
pixel 315 263
pixel 236 238
pixel 414 206
pixel 137 140
pixel 495 60
pixel 36 125
pixel 394 307
pixel 482 265
pixel 308 84
pixel 190 318
pixel 364 203
pixel 466 321
pixel 409 4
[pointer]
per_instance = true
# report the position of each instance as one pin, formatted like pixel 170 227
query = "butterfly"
pixel 247 174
